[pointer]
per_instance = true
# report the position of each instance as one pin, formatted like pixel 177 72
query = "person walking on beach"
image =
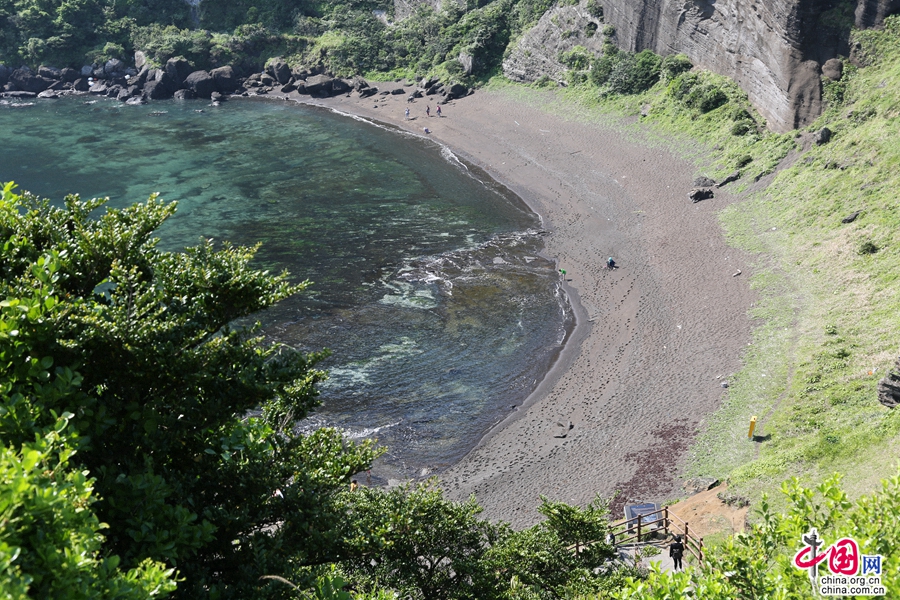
pixel 438 111
pixel 407 113
pixel 676 551
pixel 610 263
pixel 427 110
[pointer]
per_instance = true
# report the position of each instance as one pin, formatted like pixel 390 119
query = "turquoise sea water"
pixel 428 287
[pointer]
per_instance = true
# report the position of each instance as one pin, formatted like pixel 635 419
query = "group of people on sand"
pixel 427 111
pixel 427 114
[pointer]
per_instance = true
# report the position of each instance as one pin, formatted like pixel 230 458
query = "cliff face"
pixel 773 48
pixel 559 30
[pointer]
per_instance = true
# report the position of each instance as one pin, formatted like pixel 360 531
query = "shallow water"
pixel 428 287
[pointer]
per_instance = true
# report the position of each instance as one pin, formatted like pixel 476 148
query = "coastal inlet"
pixel 429 286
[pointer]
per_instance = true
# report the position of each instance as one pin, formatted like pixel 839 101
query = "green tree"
pixel 50 540
pixel 413 540
pixel 184 473
pixel 560 556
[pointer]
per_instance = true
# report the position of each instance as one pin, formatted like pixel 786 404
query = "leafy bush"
pixel 50 542
pixel 674 65
pixel 696 92
pixel 867 247
pixel 595 9
pixel 626 73
pixel 603 66
pixel 743 127
pixel 758 564
pixel 578 58
pixel 415 542
pixel 184 476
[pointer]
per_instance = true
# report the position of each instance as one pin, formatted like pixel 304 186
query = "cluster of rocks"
pixel 280 77
pixel 133 85
pixel 178 79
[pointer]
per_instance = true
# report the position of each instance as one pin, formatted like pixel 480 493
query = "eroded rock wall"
pixel 560 29
pixel 773 48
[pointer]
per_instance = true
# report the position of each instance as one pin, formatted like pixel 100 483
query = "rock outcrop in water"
pixel 774 49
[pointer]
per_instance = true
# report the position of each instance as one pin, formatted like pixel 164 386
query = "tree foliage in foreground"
pixel 415 542
pixel 758 563
pixel 137 345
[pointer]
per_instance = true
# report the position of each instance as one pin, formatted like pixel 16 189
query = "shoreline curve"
pixel 621 404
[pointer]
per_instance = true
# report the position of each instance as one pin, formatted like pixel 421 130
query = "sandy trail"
pixel 640 372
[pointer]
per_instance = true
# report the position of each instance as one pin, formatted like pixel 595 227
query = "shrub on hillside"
pixel 674 65
pixel 578 58
pixel 621 72
pixel 695 91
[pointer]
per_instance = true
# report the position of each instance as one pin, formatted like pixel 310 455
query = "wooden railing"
pixel 634 528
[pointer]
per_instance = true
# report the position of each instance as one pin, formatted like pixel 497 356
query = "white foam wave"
pixel 366 432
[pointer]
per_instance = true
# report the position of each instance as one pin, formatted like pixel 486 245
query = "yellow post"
pixel 752 427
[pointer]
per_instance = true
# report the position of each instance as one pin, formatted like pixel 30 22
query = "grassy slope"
pixel 829 312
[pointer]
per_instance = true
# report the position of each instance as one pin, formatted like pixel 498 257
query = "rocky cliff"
pixel 773 48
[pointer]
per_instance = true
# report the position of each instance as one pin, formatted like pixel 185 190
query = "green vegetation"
pixel 125 393
pixel 134 346
pixel 345 37
pixel 758 563
pixel 146 443
pixel 827 314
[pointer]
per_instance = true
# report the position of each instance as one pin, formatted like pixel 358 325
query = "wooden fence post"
pixel 639 529
pixel 666 520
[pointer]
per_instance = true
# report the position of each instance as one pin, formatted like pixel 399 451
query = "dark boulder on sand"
pixel 69 75
pixel 27 81
pixel 156 90
pixel 114 67
pixel 279 70
pixel 49 72
pixel 226 79
pixel 698 194
pixel 178 70
pixel 201 83
pixel 341 86
pixel 319 83
pixel 457 90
